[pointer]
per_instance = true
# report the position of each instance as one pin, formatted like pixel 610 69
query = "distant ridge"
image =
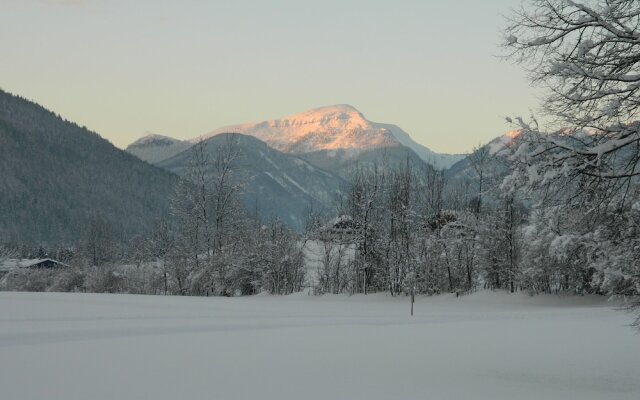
pixel 154 148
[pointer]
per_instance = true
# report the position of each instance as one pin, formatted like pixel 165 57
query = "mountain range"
pixel 339 131
pixel 299 163
pixel 56 177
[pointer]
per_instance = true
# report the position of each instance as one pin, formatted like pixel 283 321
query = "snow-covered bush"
pixel 28 280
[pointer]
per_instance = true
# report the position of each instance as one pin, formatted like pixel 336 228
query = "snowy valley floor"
pixel 482 346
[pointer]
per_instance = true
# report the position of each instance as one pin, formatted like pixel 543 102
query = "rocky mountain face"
pixel 327 128
pixel 56 177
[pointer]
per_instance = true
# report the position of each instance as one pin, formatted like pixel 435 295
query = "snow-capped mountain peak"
pixel 340 116
pixel 323 129
pixel 336 127
pixel 327 128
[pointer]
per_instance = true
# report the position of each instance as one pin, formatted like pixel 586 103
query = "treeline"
pixel 418 231
pixel 267 258
pixel 208 245
pixel 404 229
pixel 55 174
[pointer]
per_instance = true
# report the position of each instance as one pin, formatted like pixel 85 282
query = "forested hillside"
pixel 56 177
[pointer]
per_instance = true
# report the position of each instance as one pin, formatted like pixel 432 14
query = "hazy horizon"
pixel 183 70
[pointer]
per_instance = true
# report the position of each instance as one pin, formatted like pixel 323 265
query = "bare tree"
pixel 587 54
pixel 98 245
pixel 226 187
pixel 586 159
pixel 281 258
pixel 479 159
pixel 361 202
pixel 198 175
pixel 189 208
pixel 160 246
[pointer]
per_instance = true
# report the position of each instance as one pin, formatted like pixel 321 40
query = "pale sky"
pixel 183 68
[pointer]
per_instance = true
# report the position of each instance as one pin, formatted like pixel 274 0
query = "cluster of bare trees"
pixel 583 160
pixel 208 245
pixel 211 245
pixel 560 213
pixel 404 229
pixel 558 210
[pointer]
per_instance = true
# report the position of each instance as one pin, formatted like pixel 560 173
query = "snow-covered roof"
pixel 14 263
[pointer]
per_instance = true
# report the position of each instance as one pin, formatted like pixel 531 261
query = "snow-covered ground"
pixel 482 346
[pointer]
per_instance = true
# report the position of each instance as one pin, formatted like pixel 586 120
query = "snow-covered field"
pixel 482 346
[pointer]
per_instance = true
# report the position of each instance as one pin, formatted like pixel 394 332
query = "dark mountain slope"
pixel 55 177
pixel 342 162
pixel 276 184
